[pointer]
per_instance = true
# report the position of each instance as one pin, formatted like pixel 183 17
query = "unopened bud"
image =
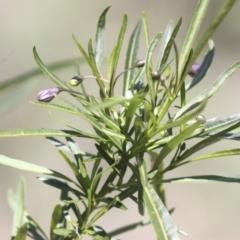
pixel 201 118
pixel 194 69
pixel 139 63
pixel 75 81
pixel 48 94
pixel 155 76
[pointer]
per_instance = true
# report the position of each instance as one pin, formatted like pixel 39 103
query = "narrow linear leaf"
pixel 228 178
pixel 47 72
pixel 22 233
pixel 159 215
pixel 174 142
pixel 148 64
pixel 100 38
pixel 37 133
pixel 222 79
pixel 24 165
pixel 146 28
pixel 192 33
pixel 223 153
pixel 165 39
pixel 131 57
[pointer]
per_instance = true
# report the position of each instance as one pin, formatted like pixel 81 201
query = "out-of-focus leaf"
pixel 212 28
pixel 17 203
pixel 37 133
pixel 118 204
pixel 222 79
pixel 129 227
pixel 63 232
pixel 60 185
pixel 131 57
pixel 36 71
pixel 146 28
pixel 216 124
pixel 13 97
pixel 56 219
pixel 98 233
pixel 100 38
pixel 47 71
pixel 223 153
pixel 22 232
pixel 228 178
pixel 34 228
pixel 24 165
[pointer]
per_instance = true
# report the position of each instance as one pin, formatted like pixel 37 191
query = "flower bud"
pixel 75 81
pixel 201 118
pixel 194 69
pixel 139 63
pixel 48 94
pixel 155 76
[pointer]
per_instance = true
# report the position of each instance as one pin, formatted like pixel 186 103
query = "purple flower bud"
pixel 48 94
pixel 194 69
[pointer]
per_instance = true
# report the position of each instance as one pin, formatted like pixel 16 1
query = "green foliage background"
pixel 202 210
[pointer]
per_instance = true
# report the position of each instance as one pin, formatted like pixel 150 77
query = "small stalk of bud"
pixel 76 80
pixel 138 64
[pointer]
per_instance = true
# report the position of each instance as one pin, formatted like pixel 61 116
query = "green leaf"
pixel 117 51
pixel 47 72
pixel 17 203
pixel 34 228
pixel 98 233
pixel 60 185
pixel 37 133
pixel 159 215
pixel 148 65
pixel 131 57
pixel 108 102
pixel 206 142
pixel 228 178
pixel 223 153
pixel 222 79
pixel 63 232
pixel 174 142
pixel 216 124
pixel 129 227
pixel 146 28
pixel 204 66
pixel 24 165
pixel 212 28
pixel 170 43
pixel 56 219
pixel 165 39
pixel 192 33
pixel 92 64
pixel 100 38
pixel 36 71
pixel 22 232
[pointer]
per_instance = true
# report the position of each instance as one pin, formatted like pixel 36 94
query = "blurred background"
pixel 204 211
